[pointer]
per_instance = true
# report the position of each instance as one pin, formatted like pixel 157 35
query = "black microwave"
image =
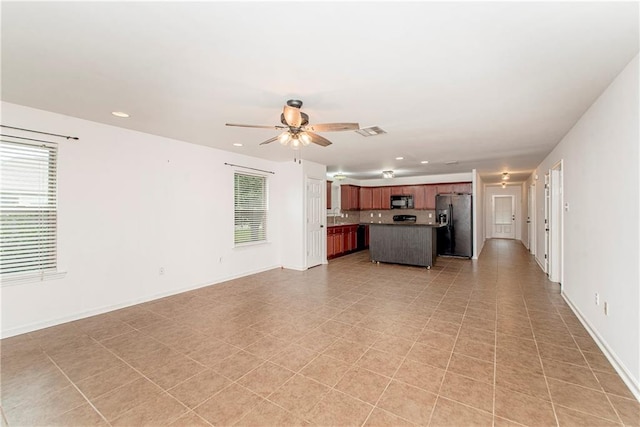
pixel 402 202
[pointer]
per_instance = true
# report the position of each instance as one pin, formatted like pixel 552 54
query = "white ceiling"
pixel 493 86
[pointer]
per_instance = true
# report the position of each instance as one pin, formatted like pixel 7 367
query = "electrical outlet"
pixel 346 215
pixel 161 271
pixel 430 215
pixel 379 215
pixel 606 308
pixel 597 299
pixel 371 214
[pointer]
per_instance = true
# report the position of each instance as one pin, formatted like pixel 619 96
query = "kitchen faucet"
pixel 335 214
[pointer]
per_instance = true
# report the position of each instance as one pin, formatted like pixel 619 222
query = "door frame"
pixel 546 223
pixel 531 218
pixel 493 214
pixel 320 214
pixel 556 223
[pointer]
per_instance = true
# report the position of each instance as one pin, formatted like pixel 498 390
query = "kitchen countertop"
pixel 407 223
pixel 338 224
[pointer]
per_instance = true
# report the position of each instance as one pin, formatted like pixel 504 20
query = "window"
pixel 250 208
pixel 28 208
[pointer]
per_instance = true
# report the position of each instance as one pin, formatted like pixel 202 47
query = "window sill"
pixel 249 244
pixel 20 279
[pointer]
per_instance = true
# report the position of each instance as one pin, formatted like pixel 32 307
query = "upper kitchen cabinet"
pixel 329 194
pixel 462 187
pixel 458 187
pixel 366 198
pixel 417 191
pixel 430 191
pixel 383 201
pixel 349 197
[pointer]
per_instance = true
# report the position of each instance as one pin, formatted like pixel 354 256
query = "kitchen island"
pixel 403 243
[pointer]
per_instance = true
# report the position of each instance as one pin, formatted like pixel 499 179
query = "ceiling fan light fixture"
pixel 305 138
pixel 284 138
pixel 388 174
pixel 295 142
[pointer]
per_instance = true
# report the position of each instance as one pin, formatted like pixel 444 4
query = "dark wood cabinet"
pixel 354 197
pixel 329 194
pixel 366 198
pixel 381 198
pixel 341 240
pixel 417 191
pixel 430 191
pixel 445 188
pixel 456 187
pixel 349 197
pixel 462 187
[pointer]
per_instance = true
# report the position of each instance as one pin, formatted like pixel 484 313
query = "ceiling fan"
pixel 296 129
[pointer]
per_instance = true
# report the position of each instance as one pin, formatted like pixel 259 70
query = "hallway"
pixel 487 342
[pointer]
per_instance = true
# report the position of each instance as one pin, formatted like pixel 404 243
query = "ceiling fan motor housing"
pixel 296 103
pixel 304 119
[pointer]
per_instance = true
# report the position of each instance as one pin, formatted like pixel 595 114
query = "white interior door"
pixel 531 218
pixel 555 223
pixel 315 228
pixel 546 223
pixel 504 217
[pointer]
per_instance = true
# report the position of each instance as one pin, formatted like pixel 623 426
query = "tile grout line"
pixel 78 390
pixel 446 369
pixel 591 370
pixel 144 376
pixel 405 357
pixel 535 340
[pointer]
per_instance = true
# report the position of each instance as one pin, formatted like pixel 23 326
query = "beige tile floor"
pixel 352 343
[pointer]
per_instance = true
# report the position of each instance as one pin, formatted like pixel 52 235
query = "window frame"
pixel 47 247
pixel 262 208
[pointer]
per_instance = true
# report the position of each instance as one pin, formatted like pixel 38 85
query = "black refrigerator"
pixel 456 237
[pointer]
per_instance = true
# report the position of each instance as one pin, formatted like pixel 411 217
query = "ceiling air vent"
pixel 371 131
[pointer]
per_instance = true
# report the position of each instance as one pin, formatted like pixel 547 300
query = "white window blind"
pixel 28 208
pixel 250 206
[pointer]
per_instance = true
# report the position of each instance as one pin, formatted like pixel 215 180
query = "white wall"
pixel 130 203
pixel 293 199
pixel 601 234
pixel 497 190
pixel 478 215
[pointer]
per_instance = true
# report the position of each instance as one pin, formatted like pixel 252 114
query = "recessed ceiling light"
pixel 120 114
pixel 424 162
pixel 237 144
pixel 399 158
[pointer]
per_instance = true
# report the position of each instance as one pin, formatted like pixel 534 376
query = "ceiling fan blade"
pixel 292 116
pixel 269 141
pixel 317 139
pixel 255 126
pixel 333 127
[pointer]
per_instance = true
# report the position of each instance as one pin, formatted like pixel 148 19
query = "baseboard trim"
pixel 606 350
pixel 105 309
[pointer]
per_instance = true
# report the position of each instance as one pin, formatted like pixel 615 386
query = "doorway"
pixel 555 223
pixel 503 208
pixel 546 223
pixel 531 218
pixel 316 210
